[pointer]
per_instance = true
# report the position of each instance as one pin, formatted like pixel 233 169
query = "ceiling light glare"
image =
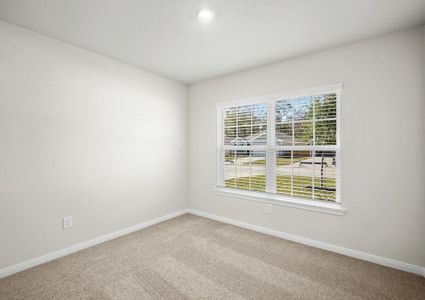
pixel 205 15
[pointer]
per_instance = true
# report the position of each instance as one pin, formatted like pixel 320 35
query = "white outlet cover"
pixel 67 222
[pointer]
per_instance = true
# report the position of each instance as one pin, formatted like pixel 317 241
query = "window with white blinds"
pixel 285 146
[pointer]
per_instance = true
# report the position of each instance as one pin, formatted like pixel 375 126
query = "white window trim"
pixel 273 198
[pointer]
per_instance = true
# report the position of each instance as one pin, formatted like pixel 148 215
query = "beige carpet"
pixel 192 258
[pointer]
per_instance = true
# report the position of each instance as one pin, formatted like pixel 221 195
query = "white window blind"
pixel 286 145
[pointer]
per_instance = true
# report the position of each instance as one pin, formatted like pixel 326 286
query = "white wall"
pixel 382 127
pixel 86 136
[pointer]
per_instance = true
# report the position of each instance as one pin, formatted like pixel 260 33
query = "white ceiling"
pixel 164 36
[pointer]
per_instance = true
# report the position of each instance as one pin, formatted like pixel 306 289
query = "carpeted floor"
pixel 191 258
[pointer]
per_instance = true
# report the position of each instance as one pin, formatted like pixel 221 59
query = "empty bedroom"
pixel 212 149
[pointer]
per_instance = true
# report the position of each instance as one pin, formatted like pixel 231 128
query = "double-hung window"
pixel 283 149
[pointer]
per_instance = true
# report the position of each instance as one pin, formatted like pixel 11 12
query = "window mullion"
pixel 250 151
pixel 271 150
pixel 236 152
pixel 220 150
pixel 338 147
pixel 313 183
pixel 293 145
pixel 292 173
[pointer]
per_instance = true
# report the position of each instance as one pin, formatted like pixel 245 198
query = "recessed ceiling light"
pixel 205 15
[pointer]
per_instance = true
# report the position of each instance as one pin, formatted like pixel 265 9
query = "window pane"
pixel 258 171
pixel 229 135
pixel 244 115
pixel 259 138
pixel 245 169
pixel 244 124
pixel 325 132
pixel 303 133
pixel 325 106
pixel 244 132
pixel 284 133
pixel 259 113
pixel 295 171
pixel 284 111
pixel 325 175
pixel 284 172
pixel 259 122
pixel 303 108
pixel 230 116
pixel 229 168
pixel 302 174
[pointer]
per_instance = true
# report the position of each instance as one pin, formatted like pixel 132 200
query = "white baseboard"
pixel 322 245
pixel 75 248
pixel 295 238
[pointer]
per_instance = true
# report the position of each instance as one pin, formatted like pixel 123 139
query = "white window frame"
pixel 270 196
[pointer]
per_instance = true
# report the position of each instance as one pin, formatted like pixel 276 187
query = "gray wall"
pixel 383 145
pixel 86 136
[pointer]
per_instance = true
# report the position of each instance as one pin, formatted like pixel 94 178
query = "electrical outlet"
pixel 67 222
pixel 268 208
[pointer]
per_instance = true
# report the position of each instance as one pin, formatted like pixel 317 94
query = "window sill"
pixel 324 207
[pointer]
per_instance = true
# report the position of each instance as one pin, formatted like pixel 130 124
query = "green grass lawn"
pixel 301 186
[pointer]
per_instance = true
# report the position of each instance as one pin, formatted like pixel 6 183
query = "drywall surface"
pixel 84 136
pixel 383 145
